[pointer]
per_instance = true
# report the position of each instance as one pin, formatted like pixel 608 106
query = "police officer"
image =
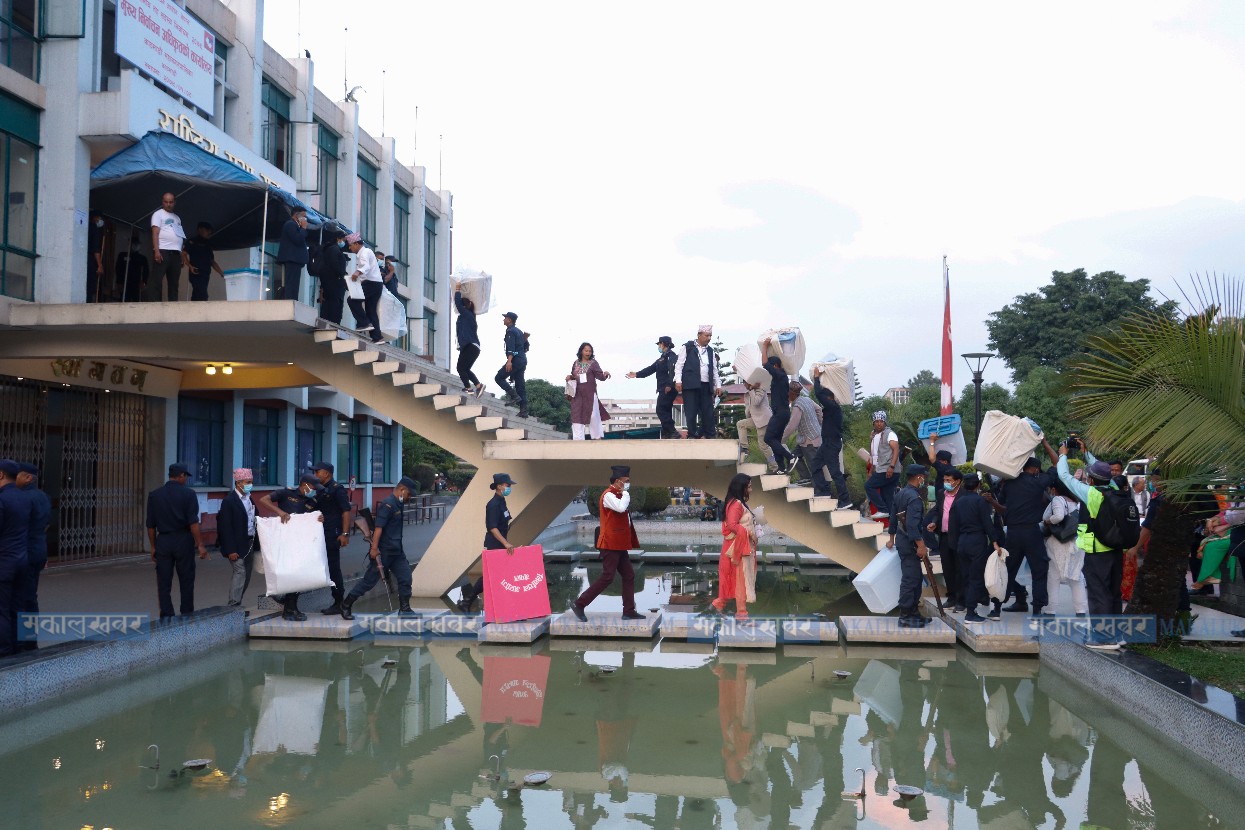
pixel 387 551
pixel 906 519
pixel 173 530
pixel 496 533
pixel 334 503
pixel 15 509
pixel 36 546
pixel 285 503
pixel 663 367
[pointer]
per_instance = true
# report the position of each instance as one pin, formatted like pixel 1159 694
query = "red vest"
pixel 617 532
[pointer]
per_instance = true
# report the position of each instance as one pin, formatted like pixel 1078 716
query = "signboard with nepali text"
pixel 514 585
pixel 161 39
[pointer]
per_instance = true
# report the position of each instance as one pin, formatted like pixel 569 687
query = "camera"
pixel 1073 441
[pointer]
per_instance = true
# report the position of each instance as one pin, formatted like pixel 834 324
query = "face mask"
pixel 1149 487
pixel 309 494
pixel 506 492
pixel 246 488
pixel 626 486
pixel 948 487
pixel 99 223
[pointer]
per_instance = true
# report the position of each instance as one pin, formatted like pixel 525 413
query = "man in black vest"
pixel 334 503
pixel 663 367
pixel 696 373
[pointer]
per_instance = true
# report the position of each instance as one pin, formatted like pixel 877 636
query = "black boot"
pixel 335 608
pixel 347 603
pixel 523 412
pixel 1021 604
pixel 290 611
pixel 404 607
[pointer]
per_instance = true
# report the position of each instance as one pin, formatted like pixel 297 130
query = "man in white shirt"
pixel 367 271
pixel 883 456
pixel 168 240
pixel 696 378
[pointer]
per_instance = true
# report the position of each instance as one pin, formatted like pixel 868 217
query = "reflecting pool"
pixel 666 735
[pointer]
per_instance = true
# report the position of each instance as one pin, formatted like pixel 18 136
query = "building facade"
pixel 80 81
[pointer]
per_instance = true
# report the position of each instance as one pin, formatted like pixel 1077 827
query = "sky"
pixel 626 171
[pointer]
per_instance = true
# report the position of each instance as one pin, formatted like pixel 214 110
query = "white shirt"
pixel 886 435
pixel 365 264
pixel 704 365
pixel 171 234
pixel 250 513
pixel 618 504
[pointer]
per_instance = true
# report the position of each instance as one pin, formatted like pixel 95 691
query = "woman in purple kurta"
pixel 585 372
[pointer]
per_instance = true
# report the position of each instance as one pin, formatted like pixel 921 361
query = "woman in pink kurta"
pixel 736 565
pixel 585 372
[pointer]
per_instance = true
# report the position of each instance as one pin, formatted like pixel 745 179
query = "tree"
pixel 424 475
pixel 417 449
pixel 1043 396
pixel 1171 389
pixel 1046 327
pixel 724 366
pixel 459 477
pixel 547 402
pixel 993 396
pixel 923 379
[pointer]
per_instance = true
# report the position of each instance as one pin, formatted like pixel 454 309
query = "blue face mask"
pixel 246 488
pixel 948 487
pixel 506 492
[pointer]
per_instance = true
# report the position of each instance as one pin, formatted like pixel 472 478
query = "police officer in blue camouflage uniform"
pixel 387 552
pixel 36 546
pixel 173 531
pixel 907 518
pixel 334 503
pixel 286 502
pixel 15 510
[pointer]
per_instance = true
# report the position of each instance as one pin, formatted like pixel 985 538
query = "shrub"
pixel 656 500
pixel 594 501
pixel 460 477
pixel 424 475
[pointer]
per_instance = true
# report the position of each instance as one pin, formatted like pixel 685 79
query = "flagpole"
pixel 947 399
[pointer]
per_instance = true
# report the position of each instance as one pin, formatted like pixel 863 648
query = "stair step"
pixel 882 540
pixel 361 357
pixel 866 528
pixel 406 378
pixel 843 518
pixel 751 468
pixel 799 493
pixel 347 345
pixel 821 504
pixel 446 401
pixel 775 481
pixel 511 434
pixel 467 411
pixel 427 390
pixel 488 423
pixel 385 367
pixel 325 335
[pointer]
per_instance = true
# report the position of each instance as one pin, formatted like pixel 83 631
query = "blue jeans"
pixel 881 490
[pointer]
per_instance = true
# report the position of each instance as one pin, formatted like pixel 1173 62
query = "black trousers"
pixel 1027 543
pixel 516 376
pixel 773 436
pixel 334 551
pixel 1103 572
pixel 172 270
pixel 291 281
pixel 334 291
pixel 698 412
pixel 910 578
pixel 92 281
pixel 950 569
pixel 665 411
pixel 467 356
pixel 973 551
pixel 828 457
pixel 371 305
pixel 613 562
pixel 199 286
pixel 175 553
pixel 10 577
pixel 28 593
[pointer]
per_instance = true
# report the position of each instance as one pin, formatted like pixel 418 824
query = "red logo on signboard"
pixel 209 42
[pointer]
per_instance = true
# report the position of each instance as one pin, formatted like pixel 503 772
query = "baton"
pixel 929 572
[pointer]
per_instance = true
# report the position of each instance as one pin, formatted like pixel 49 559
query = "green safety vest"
pixel 1084 539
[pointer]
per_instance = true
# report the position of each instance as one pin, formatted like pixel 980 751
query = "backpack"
pixel 1117 525
pixel 315 260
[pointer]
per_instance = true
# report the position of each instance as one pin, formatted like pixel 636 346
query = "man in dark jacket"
pixel 235 532
pixel 971 532
pixel 36 546
pixel 286 502
pixel 780 406
pixel 663 367
pixel 333 267
pixel 387 552
pixel 827 457
pixel 467 331
pixel 16 508
pixel 1024 501
pixel 937 523
pixel 173 530
pixel 292 253
pixel 516 364
pixel 334 503
pixel 906 519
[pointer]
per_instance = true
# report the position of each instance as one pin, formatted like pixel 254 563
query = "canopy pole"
pixel 263 235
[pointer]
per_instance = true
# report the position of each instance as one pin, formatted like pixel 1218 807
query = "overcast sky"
pixel 635 169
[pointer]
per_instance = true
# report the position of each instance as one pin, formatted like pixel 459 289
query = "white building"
pixel 898 395
pixel 201 70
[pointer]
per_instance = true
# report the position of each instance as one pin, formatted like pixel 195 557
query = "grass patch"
pixel 1221 666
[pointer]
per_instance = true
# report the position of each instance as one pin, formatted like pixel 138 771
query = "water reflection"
pixel 444 735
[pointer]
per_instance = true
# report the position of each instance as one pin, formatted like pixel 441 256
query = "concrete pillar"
pixel 170 434
pixel 384 196
pixel 288 453
pixel 235 420
pixel 395 452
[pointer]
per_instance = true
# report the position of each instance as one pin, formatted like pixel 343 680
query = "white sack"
pixel 996 574
pixel 839 376
pixel 878 688
pixel 476 286
pixel 1005 443
pixel 878 583
pixel 295 559
pixel 748 366
pixel 788 345
pixel 392 316
pixel 354 288
pixel 291 715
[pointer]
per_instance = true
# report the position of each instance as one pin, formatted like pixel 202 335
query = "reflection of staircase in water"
pixel 549 469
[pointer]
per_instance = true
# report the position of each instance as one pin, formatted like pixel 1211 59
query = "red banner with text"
pixel 514 585
pixel 514 689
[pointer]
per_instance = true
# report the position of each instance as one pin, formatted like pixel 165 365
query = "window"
pixel 349 450
pixel 401 231
pixel 18 48
pixel 329 146
pixel 381 448
pixel 19 163
pixel 430 334
pixel 220 84
pixel 308 432
pixel 201 440
pixel 368 176
pixel 275 129
pixel 261 443
pixel 430 257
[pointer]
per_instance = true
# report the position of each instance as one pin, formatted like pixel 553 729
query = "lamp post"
pixel 977 365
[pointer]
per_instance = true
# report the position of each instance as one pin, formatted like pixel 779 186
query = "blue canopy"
pixel 127 186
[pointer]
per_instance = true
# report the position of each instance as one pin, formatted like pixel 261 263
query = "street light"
pixel 977 365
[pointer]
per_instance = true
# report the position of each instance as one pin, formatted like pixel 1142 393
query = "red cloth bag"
pixel 515 587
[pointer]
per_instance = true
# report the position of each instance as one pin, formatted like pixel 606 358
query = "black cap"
pixel 664 340
pixel 28 469
pixel 619 471
pixel 916 470
pixel 503 478
pixel 514 318
pixel 178 469
pixel 972 480
pixel 10 467
pixel 409 483
pixel 1032 461
pixel 310 479
pixel 322 465
pixel 942 455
